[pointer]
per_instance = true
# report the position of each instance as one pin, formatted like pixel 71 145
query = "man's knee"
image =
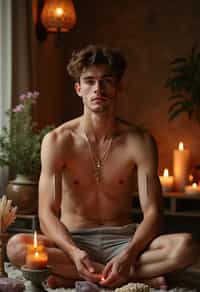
pixel 185 251
pixel 16 249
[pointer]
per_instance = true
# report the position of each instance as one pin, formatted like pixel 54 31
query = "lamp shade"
pixel 58 15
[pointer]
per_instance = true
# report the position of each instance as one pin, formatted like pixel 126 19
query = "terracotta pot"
pixel 24 194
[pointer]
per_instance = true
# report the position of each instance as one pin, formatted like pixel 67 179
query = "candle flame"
pixel 194 185
pixel 59 11
pixel 36 254
pixel 35 239
pixel 166 172
pixel 180 146
pixel 191 178
pixel 102 279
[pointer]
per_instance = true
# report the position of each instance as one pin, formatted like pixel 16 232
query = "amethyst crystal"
pixel 11 285
pixel 86 286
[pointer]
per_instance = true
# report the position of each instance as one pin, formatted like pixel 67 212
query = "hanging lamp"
pixel 58 15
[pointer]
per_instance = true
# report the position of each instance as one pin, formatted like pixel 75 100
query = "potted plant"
pixel 20 150
pixel 184 84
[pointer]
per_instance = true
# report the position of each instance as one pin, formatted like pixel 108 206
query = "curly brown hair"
pixel 94 55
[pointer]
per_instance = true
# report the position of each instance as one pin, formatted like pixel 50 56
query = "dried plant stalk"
pixel 7 213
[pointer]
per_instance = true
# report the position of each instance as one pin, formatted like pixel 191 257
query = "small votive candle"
pixel 36 257
pixel 193 189
pixel 166 181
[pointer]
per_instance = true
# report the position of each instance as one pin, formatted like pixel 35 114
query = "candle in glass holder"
pixel 193 189
pixel 36 257
pixel 181 167
pixel 166 181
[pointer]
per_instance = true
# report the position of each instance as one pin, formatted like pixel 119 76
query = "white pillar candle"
pixel 166 181
pixel 193 189
pixel 181 167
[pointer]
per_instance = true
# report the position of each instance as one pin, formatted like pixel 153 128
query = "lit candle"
pixel 59 16
pixel 36 257
pixel 181 167
pixel 193 189
pixel 190 178
pixel 166 181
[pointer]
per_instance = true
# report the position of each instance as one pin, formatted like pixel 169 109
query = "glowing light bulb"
pixel 59 11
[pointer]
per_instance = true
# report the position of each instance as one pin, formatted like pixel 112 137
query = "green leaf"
pixel 179 61
pixel 174 106
pixel 184 84
pixel 176 96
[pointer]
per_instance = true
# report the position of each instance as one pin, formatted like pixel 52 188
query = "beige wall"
pixel 150 33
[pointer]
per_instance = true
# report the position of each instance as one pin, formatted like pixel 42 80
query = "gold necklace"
pixel 97 162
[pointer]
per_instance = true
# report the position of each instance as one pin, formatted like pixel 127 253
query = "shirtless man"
pixel 86 190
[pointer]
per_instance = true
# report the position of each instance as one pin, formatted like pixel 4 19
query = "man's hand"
pixel 85 266
pixel 117 270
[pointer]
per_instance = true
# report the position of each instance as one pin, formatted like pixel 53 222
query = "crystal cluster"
pixel 134 287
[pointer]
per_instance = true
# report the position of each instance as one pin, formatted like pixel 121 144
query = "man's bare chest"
pixel 82 172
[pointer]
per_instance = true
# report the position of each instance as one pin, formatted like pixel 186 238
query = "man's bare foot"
pixel 55 281
pixel 157 282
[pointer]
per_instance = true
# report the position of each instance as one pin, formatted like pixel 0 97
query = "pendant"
pixel 98 164
pixel 98 171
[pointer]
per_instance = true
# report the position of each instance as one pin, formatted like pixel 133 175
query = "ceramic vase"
pixel 24 194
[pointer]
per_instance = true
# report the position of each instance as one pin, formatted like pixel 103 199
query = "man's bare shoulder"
pixel 137 137
pixel 63 133
pixel 132 130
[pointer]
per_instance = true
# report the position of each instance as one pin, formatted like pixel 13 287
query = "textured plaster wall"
pixel 150 34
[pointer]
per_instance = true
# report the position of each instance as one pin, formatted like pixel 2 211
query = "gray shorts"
pixel 103 243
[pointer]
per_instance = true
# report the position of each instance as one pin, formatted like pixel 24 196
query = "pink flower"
pixel 35 96
pixel 18 108
pixel 29 95
pixel 22 97
pixel 36 93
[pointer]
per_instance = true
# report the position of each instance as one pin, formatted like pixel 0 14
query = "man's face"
pixel 98 88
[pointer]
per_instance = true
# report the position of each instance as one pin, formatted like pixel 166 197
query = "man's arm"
pixel 50 195
pixel 150 196
pixel 117 271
